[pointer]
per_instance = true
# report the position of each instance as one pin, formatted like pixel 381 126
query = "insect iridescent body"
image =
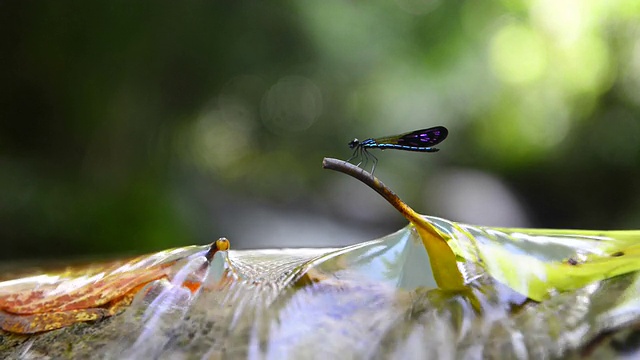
pixel 419 140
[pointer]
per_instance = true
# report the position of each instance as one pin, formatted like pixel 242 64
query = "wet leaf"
pixel 540 262
pixel 51 301
pixel 376 298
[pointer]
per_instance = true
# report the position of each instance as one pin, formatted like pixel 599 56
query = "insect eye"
pixel 353 143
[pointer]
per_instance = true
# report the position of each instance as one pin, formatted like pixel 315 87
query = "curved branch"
pixel 374 183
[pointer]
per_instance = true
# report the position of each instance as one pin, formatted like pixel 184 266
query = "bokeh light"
pixel 518 54
pixel 293 104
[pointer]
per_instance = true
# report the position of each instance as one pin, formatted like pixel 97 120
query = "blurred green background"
pixel 133 126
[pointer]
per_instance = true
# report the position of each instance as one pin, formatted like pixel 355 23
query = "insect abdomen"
pixel 402 147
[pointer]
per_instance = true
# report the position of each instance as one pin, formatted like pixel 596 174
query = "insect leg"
pixel 354 155
pixel 375 162
pixel 366 157
pixel 362 155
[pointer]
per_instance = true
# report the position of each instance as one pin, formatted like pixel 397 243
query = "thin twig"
pixel 374 183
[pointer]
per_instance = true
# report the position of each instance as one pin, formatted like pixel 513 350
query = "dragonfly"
pixel 419 140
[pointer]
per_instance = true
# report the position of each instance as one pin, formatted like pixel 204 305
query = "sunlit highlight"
pixel 518 54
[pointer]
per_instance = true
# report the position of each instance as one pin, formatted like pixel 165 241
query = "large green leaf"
pixel 540 262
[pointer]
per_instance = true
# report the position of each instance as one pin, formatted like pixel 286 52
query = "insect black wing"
pixel 419 138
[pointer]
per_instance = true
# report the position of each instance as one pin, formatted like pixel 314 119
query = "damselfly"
pixel 419 140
